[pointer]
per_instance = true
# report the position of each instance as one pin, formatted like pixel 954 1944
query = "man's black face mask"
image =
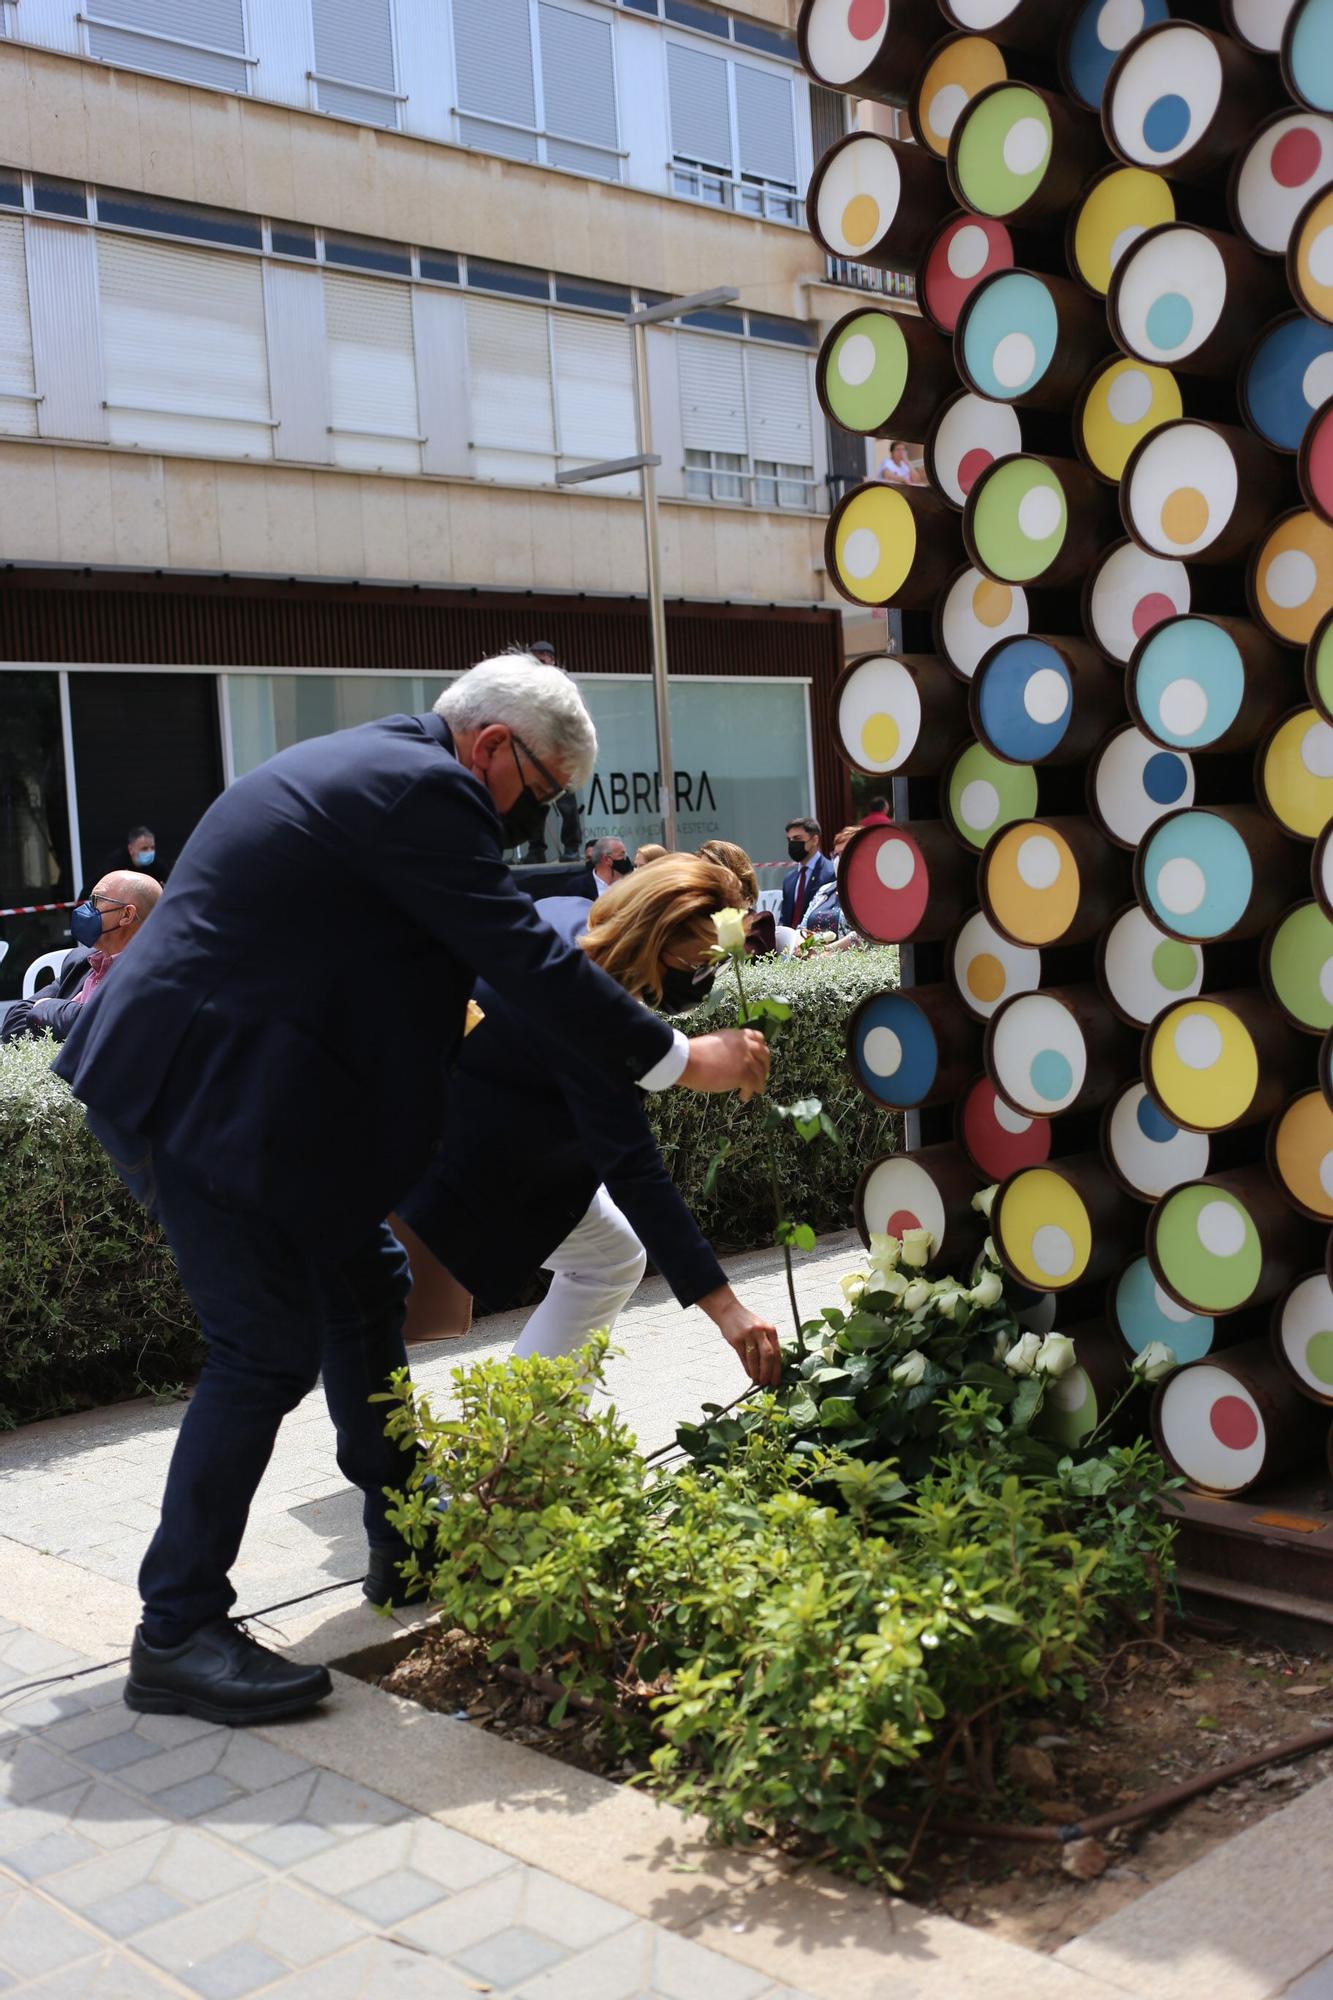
pixel 525 820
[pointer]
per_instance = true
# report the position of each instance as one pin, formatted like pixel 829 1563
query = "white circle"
pixel 1317 750
pixel 1046 695
pixel 1290 579
pixel 882 1051
pixel 1182 707
pixel 1198 1041
pixel 1129 397
pixel 1168 1307
pixel 1053 1250
pixel 860 553
pixel 856 360
pixel 968 251
pixel 1317 381
pixel 1326 1174
pixel 1123 241
pixel 1013 361
pixel 1119 22
pixel 1039 513
pixel 1026 145
pixel 1009 1120
pixel 945 107
pixel 895 864
pixel 1320 257
pixel 1039 862
pixel 1221 1229
pixel 1181 886
pixel 979 804
pixel 1326 980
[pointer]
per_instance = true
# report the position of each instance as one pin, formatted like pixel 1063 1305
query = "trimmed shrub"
pixel 91 1308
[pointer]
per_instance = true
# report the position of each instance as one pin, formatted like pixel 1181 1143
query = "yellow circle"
pixel 985 976
pixel 1128 200
pixel 1203 1065
pixel 1108 437
pixel 1032 885
pixel 880 737
pixel 1301 800
pixel 1042 1229
pixel 1310 261
pixel 970 64
pixel 1303 1153
pixel 992 603
pixel 874 545
pixel 1184 515
pixel 860 220
pixel 1293 576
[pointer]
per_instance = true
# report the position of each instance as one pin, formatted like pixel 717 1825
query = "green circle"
pixel 1175 965
pixel 866 405
pixel 1004 548
pixel 1319 1357
pixel 1302 947
pixel 1205 1281
pixel 1069 1413
pixel 1014 785
pixel 986 180
pixel 1321 672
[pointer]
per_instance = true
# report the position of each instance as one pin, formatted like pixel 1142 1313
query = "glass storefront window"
pixel 270 712
pixel 34 822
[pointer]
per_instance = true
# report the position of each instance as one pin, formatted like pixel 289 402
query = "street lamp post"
pixel 645 463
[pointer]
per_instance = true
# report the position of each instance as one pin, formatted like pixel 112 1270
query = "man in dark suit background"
pixel 104 923
pixel 811 872
pixel 607 863
pixel 270 1118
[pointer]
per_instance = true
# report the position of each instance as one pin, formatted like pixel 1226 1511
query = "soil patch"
pixel 1153 1720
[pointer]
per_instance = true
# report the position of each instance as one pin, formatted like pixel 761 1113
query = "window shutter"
pixel 595 395
pixel 493 53
pixel 579 87
pixel 210 39
pixel 779 387
pixel 509 368
pixel 828 118
pixel 184 348
pixel 372 374
pixel 712 394
pixel 764 124
pixel 700 106
pixel 354 43
pixel 18 413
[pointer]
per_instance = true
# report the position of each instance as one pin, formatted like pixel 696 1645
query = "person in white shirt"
pixel 607 863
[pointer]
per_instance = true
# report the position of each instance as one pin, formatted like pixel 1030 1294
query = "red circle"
pixel 901 1221
pixel 1319 466
pixel 1150 611
pixel 971 466
pixel 1296 157
pixel 944 294
pixel 993 1151
pixel 888 915
pixel 1234 1423
pixel 865 18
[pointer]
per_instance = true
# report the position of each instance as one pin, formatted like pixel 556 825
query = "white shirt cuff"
pixel 672 1066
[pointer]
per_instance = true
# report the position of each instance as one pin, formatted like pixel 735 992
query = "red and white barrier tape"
pixel 35 909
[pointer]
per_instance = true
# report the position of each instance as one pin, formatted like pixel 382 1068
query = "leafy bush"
pixel 809 1060
pixel 91 1308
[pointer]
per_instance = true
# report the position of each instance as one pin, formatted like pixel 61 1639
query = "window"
pixel 354 66
pixel 733 133
pixel 198 41
pixel 746 423
pixel 372 375
pixel 18 384
pixel 548 390
pixel 536 81
pixel 184 351
pixel 178 218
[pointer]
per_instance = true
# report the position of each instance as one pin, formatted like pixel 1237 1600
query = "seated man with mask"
pixel 102 926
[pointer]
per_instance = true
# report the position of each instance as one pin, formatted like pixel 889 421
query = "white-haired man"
pixel 275 1077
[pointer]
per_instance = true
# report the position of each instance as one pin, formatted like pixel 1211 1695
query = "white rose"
pixel 1001 1347
pixel 984 1199
pixel 1022 1356
pixel 852 1286
pixel 989 1254
pixel 946 1300
pixel 988 1290
pixel 730 928
pixel 917 1295
pixel 917 1246
pixel 1155 1362
pixel 911 1369
pixel 1057 1356
pixel 884 1252
pixel 885 1285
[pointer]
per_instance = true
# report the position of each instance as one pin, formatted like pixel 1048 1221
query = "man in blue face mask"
pixel 102 925
pixel 141 852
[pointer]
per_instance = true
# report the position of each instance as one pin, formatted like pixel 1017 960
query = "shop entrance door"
pixel 147 752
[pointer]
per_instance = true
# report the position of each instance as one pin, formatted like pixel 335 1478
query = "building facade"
pixel 303 306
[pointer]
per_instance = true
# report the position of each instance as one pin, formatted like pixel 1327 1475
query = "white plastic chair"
pixel 771 899
pixel 52 962
pixel 4 951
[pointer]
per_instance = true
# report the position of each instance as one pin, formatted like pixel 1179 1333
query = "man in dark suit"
pixel 607 863
pixel 811 871
pixel 104 923
pixel 271 1117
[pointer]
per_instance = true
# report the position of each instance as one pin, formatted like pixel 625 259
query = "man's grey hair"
pixel 602 848
pixel 538 701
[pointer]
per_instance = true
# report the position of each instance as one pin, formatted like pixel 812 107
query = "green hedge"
pixel 809 1060
pixel 91 1309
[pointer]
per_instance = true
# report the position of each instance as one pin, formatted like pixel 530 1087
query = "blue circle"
pixel 1001 683
pixel 1140 1318
pixel 1153 1124
pixel 1170 321
pixel 1164 778
pixel 1011 302
pixel 1274 385
pixel 919 1062
pixel 1217 850
pixel 1311 54
pixel 1166 122
pixel 1052 1075
pixel 1191 648
pixel 1087 58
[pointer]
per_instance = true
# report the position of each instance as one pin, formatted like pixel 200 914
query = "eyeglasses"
pixel 557 790
pixel 101 903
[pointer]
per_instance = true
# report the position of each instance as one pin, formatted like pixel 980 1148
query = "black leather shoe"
pixel 223 1675
pixel 384 1586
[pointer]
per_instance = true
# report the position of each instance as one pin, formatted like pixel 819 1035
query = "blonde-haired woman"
pixel 727 855
pixel 649 852
pixel 552 1166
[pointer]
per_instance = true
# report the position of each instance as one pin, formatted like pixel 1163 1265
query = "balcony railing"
pixel 868 278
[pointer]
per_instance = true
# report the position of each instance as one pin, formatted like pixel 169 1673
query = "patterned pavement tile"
pixel 303 1816
pixel 110 1977
pixel 525 1898
pixel 35 1939
pixel 373 1971
pixel 421 1848
pixel 273 1917
pixel 510 1956
pixel 178 1862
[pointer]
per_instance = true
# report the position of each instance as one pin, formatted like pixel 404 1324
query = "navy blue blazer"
pixel 821 870
pixel 533 1132
pixel 301 990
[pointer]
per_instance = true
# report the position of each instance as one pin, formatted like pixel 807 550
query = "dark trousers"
pixel 275 1314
